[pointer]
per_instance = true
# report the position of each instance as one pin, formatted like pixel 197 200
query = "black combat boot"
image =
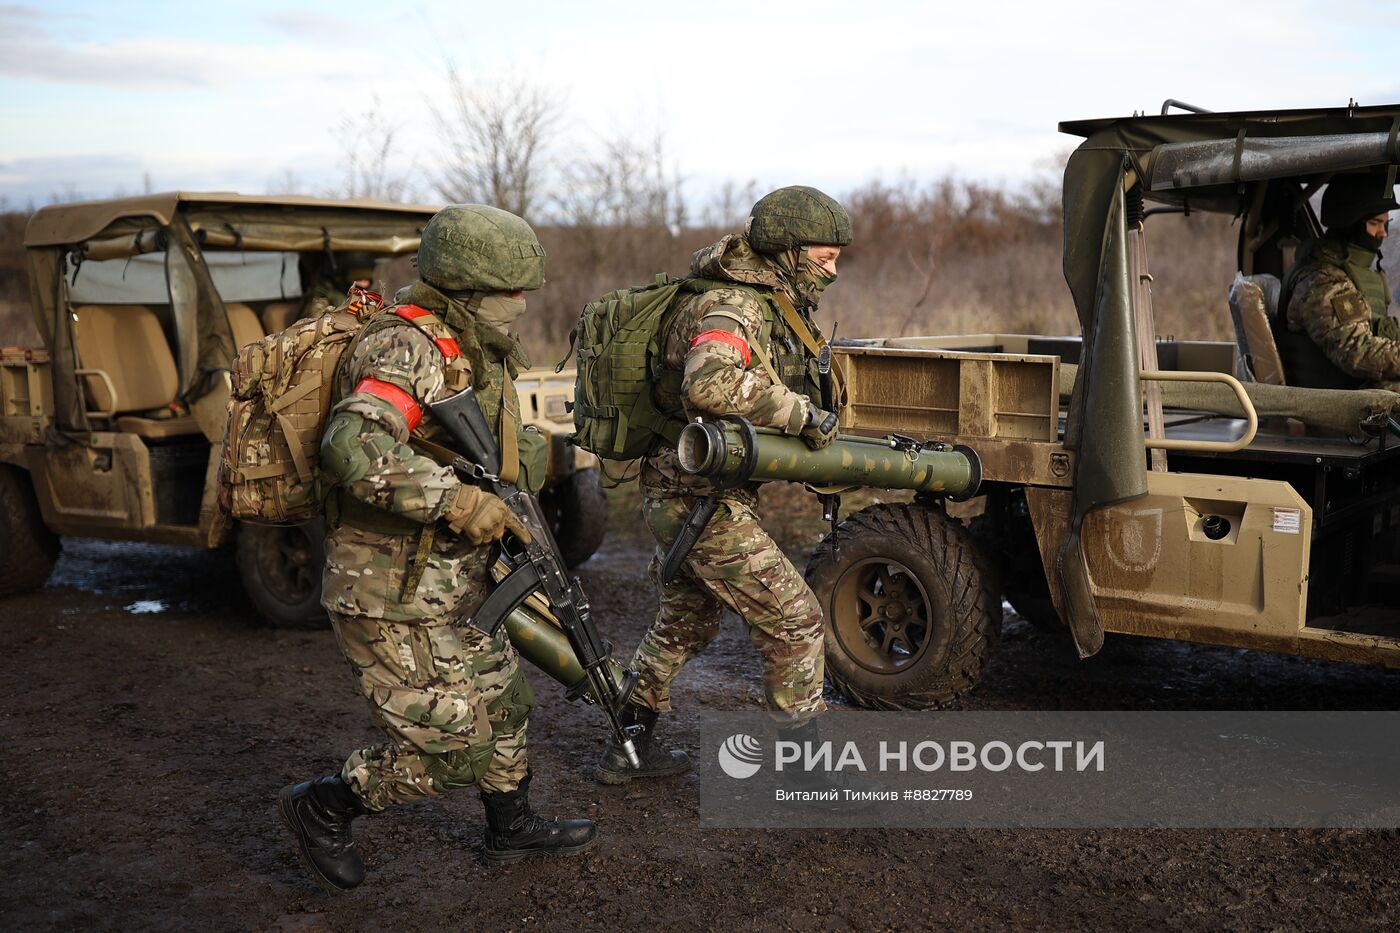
pixel 657 759
pixel 514 831
pixel 319 813
pixel 798 778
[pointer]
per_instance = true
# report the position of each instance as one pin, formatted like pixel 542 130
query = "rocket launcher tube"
pixel 731 452
pixel 536 635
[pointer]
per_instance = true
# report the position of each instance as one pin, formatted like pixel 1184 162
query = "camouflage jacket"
pixel 392 495
pixel 726 376
pixel 1327 306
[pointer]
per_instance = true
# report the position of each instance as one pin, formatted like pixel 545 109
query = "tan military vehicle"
pixel 1163 488
pixel 111 429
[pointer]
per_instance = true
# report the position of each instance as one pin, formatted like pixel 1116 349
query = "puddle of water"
pixel 146 606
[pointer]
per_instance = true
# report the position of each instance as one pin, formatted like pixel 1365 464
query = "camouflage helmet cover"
pixel 1352 198
pixel 472 247
pixel 797 216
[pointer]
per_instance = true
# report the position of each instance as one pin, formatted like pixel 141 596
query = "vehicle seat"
pixel 279 315
pixel 244 322
pixel 1253 307
pixel 128 370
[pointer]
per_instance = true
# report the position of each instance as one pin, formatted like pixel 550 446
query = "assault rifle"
pixel 536 566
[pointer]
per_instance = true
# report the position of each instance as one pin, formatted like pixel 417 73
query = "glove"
pixel 481 517
pixel 820 429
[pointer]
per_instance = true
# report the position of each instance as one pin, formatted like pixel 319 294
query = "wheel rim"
pixel 882 616
pixel 287 565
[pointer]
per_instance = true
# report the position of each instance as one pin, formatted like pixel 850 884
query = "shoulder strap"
pixel 443 338
pixel 754 345
pixel 759 353
pixel 795 322
pixel 813 344
pixel 510 444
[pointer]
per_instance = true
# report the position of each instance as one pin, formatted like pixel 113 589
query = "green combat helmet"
pixel 797 216
pixel 1352 198
pixel 472 247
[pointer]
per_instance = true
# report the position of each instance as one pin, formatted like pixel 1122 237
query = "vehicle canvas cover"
pixel 184 226
pixel 1204 160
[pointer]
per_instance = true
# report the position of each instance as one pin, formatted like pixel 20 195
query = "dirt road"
pixel 148 725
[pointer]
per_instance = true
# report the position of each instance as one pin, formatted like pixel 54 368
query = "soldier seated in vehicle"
pixel 1334 332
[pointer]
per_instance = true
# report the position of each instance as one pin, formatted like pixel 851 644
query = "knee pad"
pixel 461 767
pixel 513 705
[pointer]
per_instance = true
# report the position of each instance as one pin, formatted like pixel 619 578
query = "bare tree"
pixel 286 182
pixel 729 206
pixel 627 185
pixel 618 215
pixel 367 147
pixel 495 136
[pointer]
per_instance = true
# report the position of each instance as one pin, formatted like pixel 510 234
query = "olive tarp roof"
pixel 1191 158
pixel 67 224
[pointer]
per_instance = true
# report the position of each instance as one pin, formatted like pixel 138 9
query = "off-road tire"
pixel 28 549
pixel 281 572
pixel 577 509
pixel 1016 571
pixel 933 560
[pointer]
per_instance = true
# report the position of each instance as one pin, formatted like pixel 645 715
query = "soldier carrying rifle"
pixel 409 553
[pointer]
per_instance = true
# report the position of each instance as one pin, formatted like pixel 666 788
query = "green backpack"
pixel 619 339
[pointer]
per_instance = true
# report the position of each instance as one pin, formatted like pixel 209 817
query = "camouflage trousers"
pixel 734 565
pixel 452 700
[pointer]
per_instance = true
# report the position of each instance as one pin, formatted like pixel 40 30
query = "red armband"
pixel 394 396
pixel 724 336
pixel 446 345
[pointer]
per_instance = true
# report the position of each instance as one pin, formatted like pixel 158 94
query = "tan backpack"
pixel 269 471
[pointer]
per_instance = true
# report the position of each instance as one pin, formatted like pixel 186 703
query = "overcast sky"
pixel 96 97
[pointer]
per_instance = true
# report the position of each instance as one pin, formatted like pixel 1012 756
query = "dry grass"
pixel 16 324
pixel 947 257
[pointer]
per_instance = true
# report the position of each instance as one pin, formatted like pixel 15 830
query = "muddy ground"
pixel 147 724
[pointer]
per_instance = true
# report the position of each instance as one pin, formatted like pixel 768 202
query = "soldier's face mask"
pixel 815 273
pixel 500 309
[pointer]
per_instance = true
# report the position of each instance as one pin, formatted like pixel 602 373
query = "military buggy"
pixel 1167 488
pixel 111 429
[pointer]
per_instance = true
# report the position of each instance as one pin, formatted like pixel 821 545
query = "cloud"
pixel 902 88
pixel 28 49
pixel 20 20
pixel 68 178
pixel 130 64
pixel 316 26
